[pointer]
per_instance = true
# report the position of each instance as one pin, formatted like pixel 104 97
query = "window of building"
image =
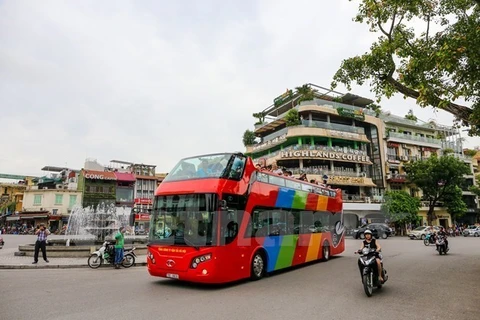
pixel 58 199
pixel 72 201
pixel 37 200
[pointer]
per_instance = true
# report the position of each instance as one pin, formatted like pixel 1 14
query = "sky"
pixel 156 81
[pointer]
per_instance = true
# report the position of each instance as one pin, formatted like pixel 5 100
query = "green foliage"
pixel 400 207
pixel 454 203
pixel 292 118
pixel 411 116
pixel 248 138
pixel 448 151
pixel 260 116
pixel 408 57
pixel 437 177
pixel 306 93
pixel 470 152
pixel 375 108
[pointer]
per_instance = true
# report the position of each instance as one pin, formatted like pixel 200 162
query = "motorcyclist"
pixel 371 243
pixel 443 233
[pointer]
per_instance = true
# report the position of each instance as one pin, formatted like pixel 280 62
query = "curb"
pixel 65 266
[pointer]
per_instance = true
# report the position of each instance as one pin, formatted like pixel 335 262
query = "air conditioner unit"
pixel 404 158
pixel 45 188
pixel 389 176
pixel 404 146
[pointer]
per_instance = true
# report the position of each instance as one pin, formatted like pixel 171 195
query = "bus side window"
pixel 230 224
pixel 258 224
pixel 306 222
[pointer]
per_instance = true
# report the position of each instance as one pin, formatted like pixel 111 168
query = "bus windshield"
pixel 225 165
pixel 184 220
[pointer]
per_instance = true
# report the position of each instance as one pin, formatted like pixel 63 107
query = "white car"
pixel 421 232
pixel 472 231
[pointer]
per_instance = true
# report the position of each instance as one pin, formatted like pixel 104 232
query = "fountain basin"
pixel 80 248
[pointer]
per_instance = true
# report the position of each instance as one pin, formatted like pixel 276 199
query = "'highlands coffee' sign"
pixel 327 155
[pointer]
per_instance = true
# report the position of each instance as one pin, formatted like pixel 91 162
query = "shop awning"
pixel 124 176
pixel 13 218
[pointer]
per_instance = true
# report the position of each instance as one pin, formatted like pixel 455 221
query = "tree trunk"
pixel 431 209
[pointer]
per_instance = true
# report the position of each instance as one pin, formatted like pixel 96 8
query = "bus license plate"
pixel 172 275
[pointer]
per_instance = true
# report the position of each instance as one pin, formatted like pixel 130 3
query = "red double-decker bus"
pixel 218 219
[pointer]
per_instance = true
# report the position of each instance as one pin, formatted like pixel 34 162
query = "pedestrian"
pixel 119 244
pixel 41 243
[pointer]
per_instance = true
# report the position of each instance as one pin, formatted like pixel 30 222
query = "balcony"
pixel 415 140
pixel 327 129
pixel 332 126
pixel 396 178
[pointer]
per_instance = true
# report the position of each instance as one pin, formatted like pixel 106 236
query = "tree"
pixel 454 203
pixel 292 118
pixel 260 116
pixel 435 68
pixel 306 93
pixel 248 138
pixel 375 108
pixel 401 208
pixel 470 152
pixel 437 177
pixel 411 116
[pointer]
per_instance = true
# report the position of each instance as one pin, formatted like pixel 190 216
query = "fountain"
pixel 100 223
pixel 87 229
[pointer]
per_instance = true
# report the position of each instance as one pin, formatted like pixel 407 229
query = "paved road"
pixel 422 286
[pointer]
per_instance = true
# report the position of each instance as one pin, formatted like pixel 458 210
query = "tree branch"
pixel 428 28
pixel 462 112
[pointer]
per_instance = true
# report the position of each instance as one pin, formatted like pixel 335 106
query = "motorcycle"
pixel 107 254
pixel 429 239
pixel 367 265
pixel 441 245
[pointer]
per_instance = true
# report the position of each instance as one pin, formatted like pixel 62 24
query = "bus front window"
pixel 184 220
pixel 209 166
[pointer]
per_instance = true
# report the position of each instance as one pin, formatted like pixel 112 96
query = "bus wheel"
pixel 326 251
pixel 258 266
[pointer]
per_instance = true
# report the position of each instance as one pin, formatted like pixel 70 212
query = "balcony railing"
pixel 396 177
pixel 362 199
pixel 414 138
pixel 332 126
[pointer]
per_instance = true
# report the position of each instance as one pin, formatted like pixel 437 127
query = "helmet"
pixel 367 232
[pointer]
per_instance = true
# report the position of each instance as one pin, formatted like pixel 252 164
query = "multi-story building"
pixel 361 151
pixel 51 198
pixel 411 140
pixel 144 192
pixel 337 140
pixel 125 186
pixel 97 185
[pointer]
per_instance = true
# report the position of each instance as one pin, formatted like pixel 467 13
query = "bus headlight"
pixel 198 260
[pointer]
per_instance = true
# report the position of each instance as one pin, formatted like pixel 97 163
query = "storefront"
pixel 97 187
pixel 142 223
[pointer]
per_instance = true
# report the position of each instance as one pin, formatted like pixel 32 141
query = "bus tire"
pixel 257 266
pixel 326 251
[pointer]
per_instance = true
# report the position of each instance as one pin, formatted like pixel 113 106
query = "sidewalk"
pixel 9 261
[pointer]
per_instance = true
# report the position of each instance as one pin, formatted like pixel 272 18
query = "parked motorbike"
pixel 367 265
pixel 106 254
pixel 441 245
pixel 429 239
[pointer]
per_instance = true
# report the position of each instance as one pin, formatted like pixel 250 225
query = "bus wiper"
pixel 189 243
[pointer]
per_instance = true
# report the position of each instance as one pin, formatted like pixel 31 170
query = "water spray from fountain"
pixel 100 222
